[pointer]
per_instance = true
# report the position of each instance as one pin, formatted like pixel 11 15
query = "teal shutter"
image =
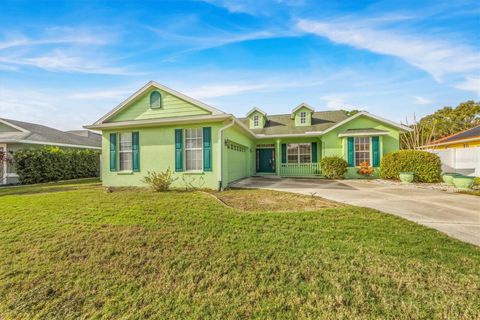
pixel 178 150
pixel 375 151
pixel 113 152
pixel 135 152
pixel 284 153
pixel 207 149
pixel 314 152
pixel 350 151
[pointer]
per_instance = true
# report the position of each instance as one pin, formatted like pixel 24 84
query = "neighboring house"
pixel 15 135
pixel 157 128
pixel 459 152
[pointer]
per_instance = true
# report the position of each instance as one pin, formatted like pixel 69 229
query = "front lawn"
pixel 80 252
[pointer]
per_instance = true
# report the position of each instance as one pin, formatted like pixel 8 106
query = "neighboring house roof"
pixel 466 135
pixel 283 124
pixel 25 132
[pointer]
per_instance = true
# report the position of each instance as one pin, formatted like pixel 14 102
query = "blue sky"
pixel 65 64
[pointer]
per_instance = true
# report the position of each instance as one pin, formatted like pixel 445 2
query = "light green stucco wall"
pixel 309 117
pixel 157 153
pixel 172 107
pixel 237 164
pixel 335 146
pixel 261 120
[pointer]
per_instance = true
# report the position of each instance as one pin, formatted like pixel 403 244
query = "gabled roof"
pixel 362 132
pixel 301 105
pixel 460 136
pixel 255 109
pixel 38 134
pixel 153 84
pixel 371 116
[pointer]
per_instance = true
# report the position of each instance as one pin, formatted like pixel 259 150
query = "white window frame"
pixel 303 117
pixel 198 130
pixel 298 152
pixel 256 120
pixel 367 150
pixel 126 151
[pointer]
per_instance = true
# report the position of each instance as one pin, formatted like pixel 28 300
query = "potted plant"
pixel 407 177
pixel 447 177
pixel 365 169
pixel 463 182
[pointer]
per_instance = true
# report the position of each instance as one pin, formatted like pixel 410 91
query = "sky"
pixel 66 63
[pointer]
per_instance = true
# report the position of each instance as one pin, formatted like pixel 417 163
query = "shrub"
pixel 333 167
pixel 160 181
pixel 53 164
pixel 365 169
pixel 426 165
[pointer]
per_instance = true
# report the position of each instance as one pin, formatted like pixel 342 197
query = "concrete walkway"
pixel 457 215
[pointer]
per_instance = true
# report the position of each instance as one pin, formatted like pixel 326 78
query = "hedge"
pixel 426 165
pixel 53 164
pixel 333 167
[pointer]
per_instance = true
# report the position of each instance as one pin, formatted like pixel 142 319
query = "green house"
pixel 159 128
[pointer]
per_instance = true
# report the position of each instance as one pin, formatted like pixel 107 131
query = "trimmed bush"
pixel 426 165
pixel 54 164
pixel 333 167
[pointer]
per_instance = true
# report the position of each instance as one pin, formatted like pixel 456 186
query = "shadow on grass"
pixel 50 187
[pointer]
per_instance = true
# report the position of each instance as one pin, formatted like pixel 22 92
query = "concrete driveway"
pixel 457 215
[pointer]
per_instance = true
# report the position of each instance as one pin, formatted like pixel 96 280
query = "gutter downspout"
pixel 220 149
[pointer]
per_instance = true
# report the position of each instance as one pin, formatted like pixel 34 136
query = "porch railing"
pixel 300 169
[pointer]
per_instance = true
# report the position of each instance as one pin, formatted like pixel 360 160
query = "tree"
pixel 442 123
pixel 351 112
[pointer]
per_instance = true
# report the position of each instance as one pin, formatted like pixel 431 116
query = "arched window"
pixel 155 100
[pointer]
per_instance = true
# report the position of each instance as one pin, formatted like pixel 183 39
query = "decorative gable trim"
pixel 301 105
pixel 153 84
pixel 371 116
pixel 255 109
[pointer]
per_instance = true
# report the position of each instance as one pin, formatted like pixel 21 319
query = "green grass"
pixel 134 254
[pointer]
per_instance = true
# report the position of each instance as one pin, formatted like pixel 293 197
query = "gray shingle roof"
pixel 467 134
pixel 40 133
pixel 284 124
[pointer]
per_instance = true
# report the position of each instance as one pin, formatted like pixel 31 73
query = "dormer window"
pixel 256 120
pixel 155 100
pixel 303 117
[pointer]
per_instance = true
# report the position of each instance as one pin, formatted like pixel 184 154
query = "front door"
pixel 266 160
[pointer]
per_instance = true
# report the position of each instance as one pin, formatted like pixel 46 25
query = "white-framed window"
pixel 256 120
pixel 125 151
pixel 299 153
pixel 303 117
pixel 194 149
pixel 362 150
pixel 155 100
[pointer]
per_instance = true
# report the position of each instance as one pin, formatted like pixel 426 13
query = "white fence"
pixel 460 160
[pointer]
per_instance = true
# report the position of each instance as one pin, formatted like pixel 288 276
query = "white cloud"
pixel 470 84
pixel 336 102
pixel 421 100
pixel 437 57
pixel 104 94
pixel 254 7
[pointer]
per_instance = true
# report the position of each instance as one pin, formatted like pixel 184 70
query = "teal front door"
pixel 266 160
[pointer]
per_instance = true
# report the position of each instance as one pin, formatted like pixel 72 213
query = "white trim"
pixel 160 121
pixel 363 134
pixel 255 109
pixel 153 84
pixel 13 126
pixel 366 114
pixel 301 105
pixel 192 149
pixel 220 152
